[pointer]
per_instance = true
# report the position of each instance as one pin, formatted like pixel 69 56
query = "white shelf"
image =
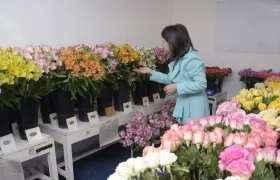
pixel 107 129
pixel 24 144
pixel 26 151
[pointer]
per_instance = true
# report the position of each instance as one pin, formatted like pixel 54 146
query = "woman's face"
pixel 165 46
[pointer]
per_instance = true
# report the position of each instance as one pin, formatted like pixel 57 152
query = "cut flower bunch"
pixel 143 130
pixel 231 144
pixel 83 69
pixel 15 75
pixel 217 72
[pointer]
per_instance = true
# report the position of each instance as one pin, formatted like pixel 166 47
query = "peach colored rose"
pixel 240 138
pixel 174 127
pixel 168 144
pixel 150 149
pixel 198 137
pixel 251 144
pixel 229 140
pixel 206 141
pixel 220 134
pixel 213 137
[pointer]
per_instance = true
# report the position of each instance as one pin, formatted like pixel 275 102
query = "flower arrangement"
pixel 83 69
pixel 13 71
pixel 256 100
pixel 271 117
pixel 217 72
pixel 162 60
pixel 145 167
pixel 143 130
pixel 251 77
pixel 106 55
pixel 161 57
pixel 24 75
pixel 128 59
pixel 273 82
pixel 46 58
pixel 231 145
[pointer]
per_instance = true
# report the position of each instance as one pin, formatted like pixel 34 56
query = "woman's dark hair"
pixel 178 39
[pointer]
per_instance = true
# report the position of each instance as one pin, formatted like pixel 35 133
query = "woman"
pixel 186 74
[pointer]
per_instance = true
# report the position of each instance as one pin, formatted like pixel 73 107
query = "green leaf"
pixel 259 168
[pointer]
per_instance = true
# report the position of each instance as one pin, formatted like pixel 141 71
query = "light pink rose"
pixel 218 119
pixel 226 108
pixel 278 157
pixel 233 123
pixel 260 155
pixel 212 121
pixel 252 116
pixel 242 168
pixel 229 140
pixel 269 154
pixel 198 137
pixel 195 126
pixel 239 115
pixel 188 135
pixel 150 149
pixel 252 154
pixel 231 154
pixel 255 121
pixel 204 121
pixel 226 121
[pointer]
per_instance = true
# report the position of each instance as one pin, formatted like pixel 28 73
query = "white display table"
pixel 26 151
pixel 107 129
pixel 217 99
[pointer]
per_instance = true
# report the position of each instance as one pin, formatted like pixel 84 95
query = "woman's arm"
pixel 196 71
pixel 160 77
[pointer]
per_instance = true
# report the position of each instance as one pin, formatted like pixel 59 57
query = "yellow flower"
pixel 277 122
pixel 243 92
pixel 262 107
pixel 248 105
pixel 258 100
pixel 265 94
pixel 270 119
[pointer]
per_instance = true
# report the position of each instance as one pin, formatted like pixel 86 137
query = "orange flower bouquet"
pixel 82 68
pixel 82 81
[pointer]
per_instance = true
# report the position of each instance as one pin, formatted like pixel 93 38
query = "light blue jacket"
pixel 190 76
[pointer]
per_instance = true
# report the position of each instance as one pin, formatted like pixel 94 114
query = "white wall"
pixel 67 22
pixel 199 18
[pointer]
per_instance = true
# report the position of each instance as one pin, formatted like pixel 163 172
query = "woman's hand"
pixel 170 89
pixel 143 70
